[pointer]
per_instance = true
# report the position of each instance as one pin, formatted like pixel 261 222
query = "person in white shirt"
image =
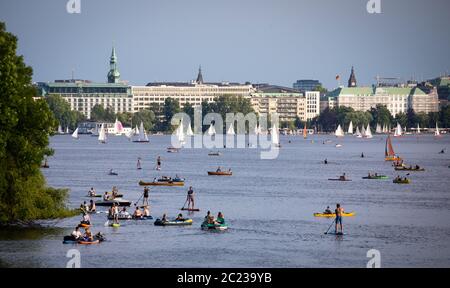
pixel 76 234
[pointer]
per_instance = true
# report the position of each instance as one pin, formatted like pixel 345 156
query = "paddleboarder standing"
pixel 158 163
pixel 190 197
pixel 138 165
pixel 339 210
pixel 145 199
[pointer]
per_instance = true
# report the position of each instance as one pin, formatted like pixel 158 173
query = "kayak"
pixel 214 154
pixel 219 227
pixel 378 177
pixel 115 225
pixel 96 196
pixel 71 240
pixel 171 180
pixel 343 180
pixel 158 222
pixel 113 174
pixel 408 169
pixel 221 173
pixel 89 242
pixel 349 214
pixel 119 201
pixel 407 181
pixel 169 183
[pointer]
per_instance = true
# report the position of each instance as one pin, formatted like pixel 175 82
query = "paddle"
pixel 138 199
pixel 184 204
pixel 334 219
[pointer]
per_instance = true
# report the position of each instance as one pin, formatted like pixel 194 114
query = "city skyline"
pixel 161 41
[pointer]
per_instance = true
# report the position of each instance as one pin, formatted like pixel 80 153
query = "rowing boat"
pixel 218 227
pixel 220 173
pixel 119 201
pixel 338 179
pixel 378 177
pixel 185 222
pixel 401 181
pixel 345 214
pixel 169 183
pixel 408 169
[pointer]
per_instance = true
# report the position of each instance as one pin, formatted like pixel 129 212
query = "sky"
pixel 260 41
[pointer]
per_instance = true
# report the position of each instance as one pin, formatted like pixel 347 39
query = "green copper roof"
pixel 364 91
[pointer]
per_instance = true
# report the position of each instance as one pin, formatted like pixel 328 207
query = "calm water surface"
pixel 269 205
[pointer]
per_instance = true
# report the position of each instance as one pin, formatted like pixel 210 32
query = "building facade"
pixel 306 85
pixel 286 102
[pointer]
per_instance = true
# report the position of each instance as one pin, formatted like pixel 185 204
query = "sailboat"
pixel 257 129
pixel 67 130
pixel 418 128
pixel 350 128
pixel 378 130
pixel 358 133
pixel 398 131
pixel 211 130
pixel 305 135
pixel 136 130
pixel 180 133
pixel 60 130
pixel 118 128
pixel 368 132
pixel 363 131
pixel 389 154
pixel 275 136
pixel 339 132
pixel 75 133
pixel 436 132
pixel 230 130
pixel 189 130
pixel 142 135
pixel 102 134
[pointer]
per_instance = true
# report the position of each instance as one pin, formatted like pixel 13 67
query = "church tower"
pixel 352 79
pixel 113 74
pixel 199 76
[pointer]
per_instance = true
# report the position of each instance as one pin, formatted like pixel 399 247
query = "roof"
pixel 370 91
pixel 85 84
pixel 276 89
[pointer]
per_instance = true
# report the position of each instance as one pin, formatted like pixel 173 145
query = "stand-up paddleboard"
pixel 190 209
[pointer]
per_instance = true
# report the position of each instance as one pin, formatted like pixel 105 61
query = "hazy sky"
pixel 275 41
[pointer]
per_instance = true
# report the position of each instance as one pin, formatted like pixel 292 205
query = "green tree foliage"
pixel 25 126
pixel 423 119
pixel 358 118
pixel 170 108
pixel 327 120
pixel 147 117
pixel 412 118
pixel 445 117
pixel 402 119
pixel 381 115
pixel 62 113
pixel 100 114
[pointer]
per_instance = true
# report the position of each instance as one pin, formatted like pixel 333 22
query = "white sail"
pixel 339 132
pixel 102 134
pixel 350 128
pixel 256 130
pixel 230 130
pixel 418 128
pixel 136 130
pixel 60 130
pixel 75 134
pixel 189 130
pixel 67 130
pixel 363 131
pixel 378 130
pixel 180 133
pixel 368 132
pixel 211 130
pixel 118 127
pixel 142 134
pixel 398 131
pixel 358 133
pixel 436 132
pixel 275 136
pixel 129 134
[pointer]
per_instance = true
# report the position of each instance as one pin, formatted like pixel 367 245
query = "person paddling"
pixel 158 163
pixel 138 165
pixel 190 197
pixel 339 211
pixel 362 155
pixel 76 234
pixel 325 161
pixel 145 199
pixel 92 192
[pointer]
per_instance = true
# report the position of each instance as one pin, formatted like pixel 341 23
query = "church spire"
pixel 113 74
pixel 199 76
pixel 352 79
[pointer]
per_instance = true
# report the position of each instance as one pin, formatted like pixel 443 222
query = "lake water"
pixel 269 205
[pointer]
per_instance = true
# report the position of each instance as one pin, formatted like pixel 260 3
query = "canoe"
pixel 345 214
pixel 332 179
pixel 214 154
pixel 130 217
pixel 171 183
pixel 218 227
pixel 408 169
pixel 96 196
pixel 407 181
pixel 89 242
pixel 70 240
pixel 189 209
pixel 171 180
pixel 158 222
pixel 119 201
pixel 113 174
pixel 376 177
pixel 221 173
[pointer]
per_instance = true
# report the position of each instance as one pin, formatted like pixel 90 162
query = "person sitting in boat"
pixel 229 170
pixel 88 235
pixel 398 178
pixel 164 218
pixel 115 192
pixel 376 174
pixel 362 155
pixel 218 169
pixel 369 175
pixel 207 215
pixel 210 219
pixel 442 151
pixel 91 192
pixel 137 213
pixel 106 196
pixel 325 161
pixel 180 217
pixel 328 211
pixel 417 167
pixel 91 207
pixel 220 219
pixel 343 177
pixel 86 219
pixel 146 211
pixel 124 213
pixel 111 172
pixel 76 234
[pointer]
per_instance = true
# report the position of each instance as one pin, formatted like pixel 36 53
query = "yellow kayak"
pixel 345 214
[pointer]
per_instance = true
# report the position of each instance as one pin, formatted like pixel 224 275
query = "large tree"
pixel 25 127
pixel 170 108
pixel 62 112
pixel 381 115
